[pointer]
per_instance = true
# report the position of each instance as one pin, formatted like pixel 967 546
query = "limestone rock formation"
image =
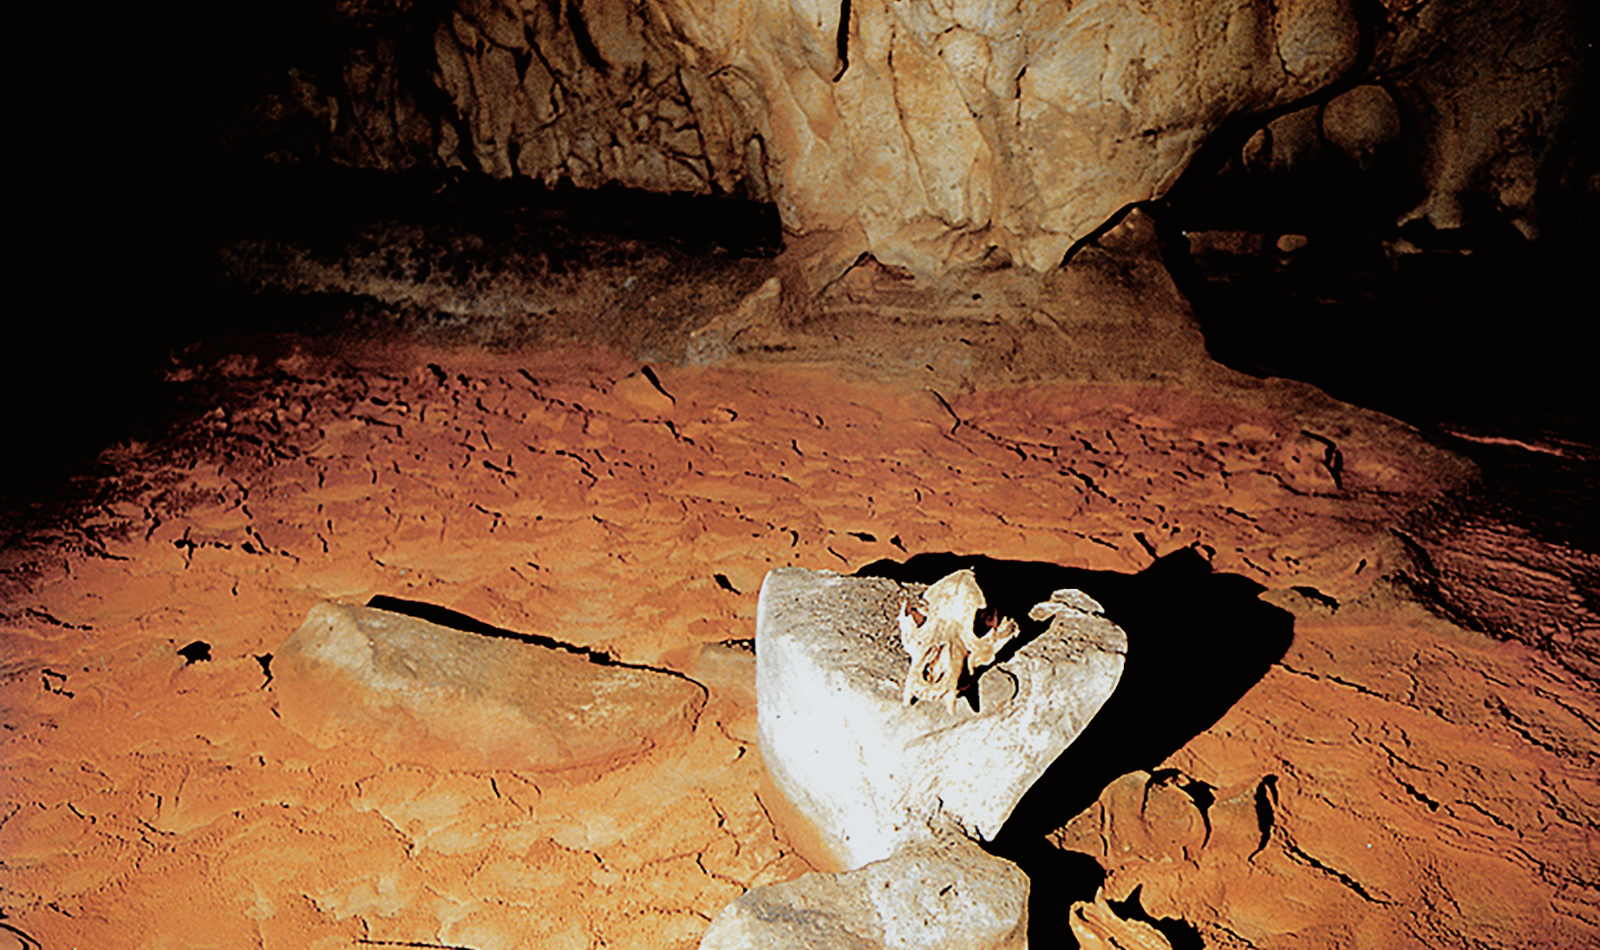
pixel 950 896
pixel 1489 90
pixel 929 133
pixel 419 693
pixel 875 775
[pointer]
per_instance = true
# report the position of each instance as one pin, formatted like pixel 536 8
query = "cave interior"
pixel 1393 238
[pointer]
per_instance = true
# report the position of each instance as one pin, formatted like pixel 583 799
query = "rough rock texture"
pixel 928 132
pixel 1510 580
pixel 946 896
pixel 417 693
pixel 1284 847
pixel 875 775
pixel 149 802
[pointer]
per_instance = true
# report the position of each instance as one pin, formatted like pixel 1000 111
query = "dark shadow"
pixel 197 652
pixel 126 276
pixel 327 207
pixel 1057 878
pixel 1197 642
pixel 1181 934
pixel 455 620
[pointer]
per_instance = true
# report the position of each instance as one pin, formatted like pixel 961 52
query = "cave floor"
pixel 1392 780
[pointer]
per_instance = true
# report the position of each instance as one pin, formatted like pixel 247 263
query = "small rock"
pixel 945 896
pixel 874 775
pixel 715 341
pixel 643 391
pixel 418 693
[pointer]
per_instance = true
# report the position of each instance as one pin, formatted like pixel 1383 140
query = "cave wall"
pixel 934 132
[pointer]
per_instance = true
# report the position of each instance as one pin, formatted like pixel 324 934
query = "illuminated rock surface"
pixel 875 775
pixel 418 693
pixel 949 896
pixel 933 134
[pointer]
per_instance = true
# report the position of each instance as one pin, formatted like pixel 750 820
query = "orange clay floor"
pixel 1392 781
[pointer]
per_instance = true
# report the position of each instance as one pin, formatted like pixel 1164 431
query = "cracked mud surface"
pixel 1393 780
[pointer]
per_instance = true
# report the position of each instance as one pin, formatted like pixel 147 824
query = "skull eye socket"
pixel 934 670
pixel 985 620
pixel 917 617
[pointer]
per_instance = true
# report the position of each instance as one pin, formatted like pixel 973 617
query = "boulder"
pixel 945 896
pixel 415 692
pixel 874 774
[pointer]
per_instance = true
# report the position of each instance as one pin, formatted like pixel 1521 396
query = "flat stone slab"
pixel 945 896
pixel 415 692
pixel 874 775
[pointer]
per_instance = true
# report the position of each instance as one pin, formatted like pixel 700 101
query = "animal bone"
pixel 950 635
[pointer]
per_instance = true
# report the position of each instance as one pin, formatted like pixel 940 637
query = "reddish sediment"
pixel 1393 780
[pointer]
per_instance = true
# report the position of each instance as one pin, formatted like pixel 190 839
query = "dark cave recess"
pixel 1489 340
pixel 133 277
pixel 1297 265
pixel 306 202
pixel 1477 335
